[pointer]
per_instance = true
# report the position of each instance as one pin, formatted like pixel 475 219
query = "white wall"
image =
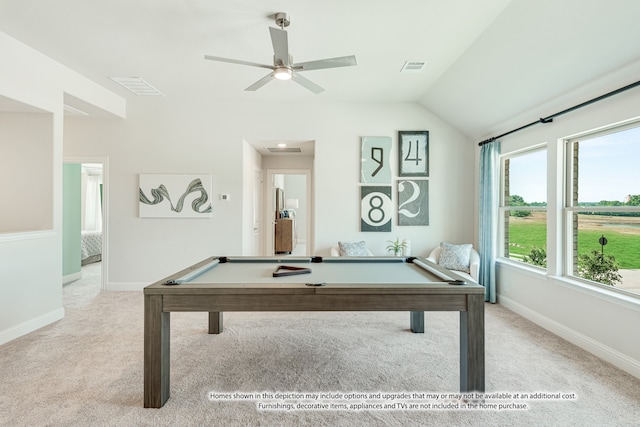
pixel 31 266
pixel 597 320
pixel 162 137
pixel 251 163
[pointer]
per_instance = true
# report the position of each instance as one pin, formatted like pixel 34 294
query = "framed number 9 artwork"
pixel 376 151
pixel 413 153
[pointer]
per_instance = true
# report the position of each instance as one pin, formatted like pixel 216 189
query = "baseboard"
pixel 31 325
pixel 71 277
pixel 604 352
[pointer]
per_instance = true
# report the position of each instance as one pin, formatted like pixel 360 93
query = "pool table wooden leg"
pixel 215 322
pixel 156 352
pixel 417 322
pixel 472 375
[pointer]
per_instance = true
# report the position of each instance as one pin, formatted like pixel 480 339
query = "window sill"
pixel 619 297
pixel 537 272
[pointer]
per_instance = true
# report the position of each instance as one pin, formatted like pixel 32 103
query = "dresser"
pixel 285 239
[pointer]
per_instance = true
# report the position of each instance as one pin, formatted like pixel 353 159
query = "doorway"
pixel 89 185
pixel 269 158
pixel 289 202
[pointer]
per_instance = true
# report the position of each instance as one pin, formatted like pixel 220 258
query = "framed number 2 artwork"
pixel 413 153
pixel 413 202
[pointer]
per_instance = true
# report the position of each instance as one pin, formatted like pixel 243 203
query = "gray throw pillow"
pixel 353 249
pixel 455 257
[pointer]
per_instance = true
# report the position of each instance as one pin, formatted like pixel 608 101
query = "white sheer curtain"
pixel 91 200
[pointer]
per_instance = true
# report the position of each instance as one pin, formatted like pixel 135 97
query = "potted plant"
pixel 396 246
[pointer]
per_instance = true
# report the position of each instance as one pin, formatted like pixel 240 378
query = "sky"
pixel 609 169
pixel 528 176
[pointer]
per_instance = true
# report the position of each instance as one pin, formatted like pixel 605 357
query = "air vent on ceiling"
pixel 413 67
pixel 137 86
pixel 284 149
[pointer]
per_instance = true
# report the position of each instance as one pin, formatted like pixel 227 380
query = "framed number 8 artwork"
pixel 413 153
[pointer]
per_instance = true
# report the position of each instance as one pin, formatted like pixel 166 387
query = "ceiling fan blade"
pixel 280 46
pixel 237 61
pixel 342 61
pixel 303 81
pixel 263 81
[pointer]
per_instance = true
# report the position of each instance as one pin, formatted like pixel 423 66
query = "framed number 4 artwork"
pixel 413 155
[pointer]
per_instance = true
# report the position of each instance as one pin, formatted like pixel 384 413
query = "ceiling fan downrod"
pixel 282 20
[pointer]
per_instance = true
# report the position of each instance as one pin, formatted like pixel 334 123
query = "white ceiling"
pixel 487 61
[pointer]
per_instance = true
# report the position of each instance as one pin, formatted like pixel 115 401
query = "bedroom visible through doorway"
pixel 84 225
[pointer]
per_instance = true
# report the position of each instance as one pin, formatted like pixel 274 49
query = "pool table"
pixel 220 284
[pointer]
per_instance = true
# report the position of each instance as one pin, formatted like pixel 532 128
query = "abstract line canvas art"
pixel 175 196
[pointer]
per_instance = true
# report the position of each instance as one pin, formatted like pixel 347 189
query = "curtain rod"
pixel 550 118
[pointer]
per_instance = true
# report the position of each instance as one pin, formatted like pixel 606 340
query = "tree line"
pixel 632 200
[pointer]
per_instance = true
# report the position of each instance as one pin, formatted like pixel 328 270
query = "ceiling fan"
pixel 283 67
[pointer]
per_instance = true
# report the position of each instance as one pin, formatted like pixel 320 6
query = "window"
pixel 602 208
pixel 524 207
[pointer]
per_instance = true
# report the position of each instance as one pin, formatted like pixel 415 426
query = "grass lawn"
pixel 623 243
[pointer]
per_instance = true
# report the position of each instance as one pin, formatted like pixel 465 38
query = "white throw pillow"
pixel 353 249
pixel 455 257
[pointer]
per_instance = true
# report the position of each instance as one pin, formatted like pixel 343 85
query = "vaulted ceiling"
pixel 486 61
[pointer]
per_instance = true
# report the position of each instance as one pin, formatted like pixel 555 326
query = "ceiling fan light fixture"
pixel 283 73
pixel 283 67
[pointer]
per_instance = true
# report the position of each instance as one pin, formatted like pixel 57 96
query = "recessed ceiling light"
pixel 137 86
pixel 282 145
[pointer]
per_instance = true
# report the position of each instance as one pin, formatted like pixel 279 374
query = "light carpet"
pixel 87 370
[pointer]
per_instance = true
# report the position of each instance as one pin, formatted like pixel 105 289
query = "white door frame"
pixel 258 210
pixel 269 212
pixel 105 211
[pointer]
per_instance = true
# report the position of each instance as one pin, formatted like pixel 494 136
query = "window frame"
pixel 570 205
pixel 504 208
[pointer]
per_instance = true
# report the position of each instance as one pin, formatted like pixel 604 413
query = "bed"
pixel 91 247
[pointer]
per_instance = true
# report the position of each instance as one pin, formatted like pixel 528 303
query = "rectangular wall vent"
pixel 413 66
